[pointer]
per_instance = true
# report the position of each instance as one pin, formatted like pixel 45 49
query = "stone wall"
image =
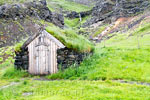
pixel 22 59
pixel 67 57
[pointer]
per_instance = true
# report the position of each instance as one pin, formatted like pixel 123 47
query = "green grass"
pixel 1 59
pixel 75 90
pixel 145 27
pixel 67 5
pixel 117 58
pixel 18 46
pixel 100 30
pixel 11 73
pixel 71 39
pixel 111 64
pixel 75 23
pixel 71 22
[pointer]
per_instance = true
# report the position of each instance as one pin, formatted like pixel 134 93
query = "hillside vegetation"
pixel 66 5
pixel 118 69
pixel 118 58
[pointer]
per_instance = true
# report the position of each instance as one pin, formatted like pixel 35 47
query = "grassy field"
pixel 74 90
pixel 120 59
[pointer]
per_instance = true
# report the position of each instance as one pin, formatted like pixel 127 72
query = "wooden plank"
pixel 52 57
pixel 56 59
pixel 32 66
pixel 49 56
pixel 52 38
pixel 36 57
pixel 29 57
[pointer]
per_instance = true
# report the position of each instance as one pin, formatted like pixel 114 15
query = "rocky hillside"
pixel 110 10
pixel 18 21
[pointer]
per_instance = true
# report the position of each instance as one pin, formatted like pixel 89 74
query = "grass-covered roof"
pixel 71 39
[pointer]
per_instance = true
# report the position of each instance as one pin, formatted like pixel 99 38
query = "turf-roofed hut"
pixel 45 51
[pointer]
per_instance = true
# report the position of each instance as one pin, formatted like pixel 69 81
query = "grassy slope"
pixel 115 61
pixel 122 58
pixel 55 5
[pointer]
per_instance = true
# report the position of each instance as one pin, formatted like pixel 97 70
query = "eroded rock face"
pixel 108 9
pixel 32 9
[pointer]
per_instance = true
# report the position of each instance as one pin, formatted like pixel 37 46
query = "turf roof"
pixel 71 39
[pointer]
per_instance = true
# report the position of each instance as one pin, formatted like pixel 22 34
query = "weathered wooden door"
pixel 42 57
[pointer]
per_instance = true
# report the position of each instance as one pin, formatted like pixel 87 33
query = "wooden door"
pixel 42 65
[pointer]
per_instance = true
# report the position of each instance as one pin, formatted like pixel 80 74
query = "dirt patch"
pixel 27 94
pixel 132 82
pixel 11 84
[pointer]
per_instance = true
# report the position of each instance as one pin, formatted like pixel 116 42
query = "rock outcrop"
pixel 106 10
pixel 37 9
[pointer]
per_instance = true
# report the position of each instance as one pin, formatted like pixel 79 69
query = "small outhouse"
pixel 42 53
